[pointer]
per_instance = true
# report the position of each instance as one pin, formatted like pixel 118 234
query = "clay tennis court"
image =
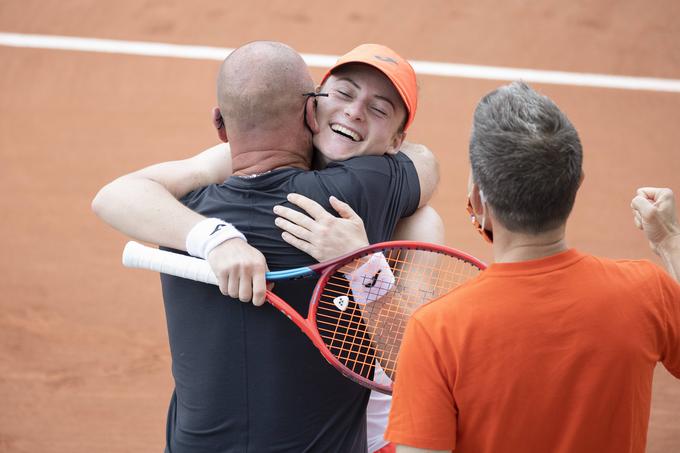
pixel 84 359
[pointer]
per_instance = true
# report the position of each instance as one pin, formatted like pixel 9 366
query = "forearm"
pixel 144 205
pixel 425 225
pixel 669 251
pixel 145 210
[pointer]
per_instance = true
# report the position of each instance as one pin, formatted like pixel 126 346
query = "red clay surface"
pixel 84 360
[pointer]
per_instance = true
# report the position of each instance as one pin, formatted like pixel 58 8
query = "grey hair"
pixel 526 156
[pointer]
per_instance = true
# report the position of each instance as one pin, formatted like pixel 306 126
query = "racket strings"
pixel 362 313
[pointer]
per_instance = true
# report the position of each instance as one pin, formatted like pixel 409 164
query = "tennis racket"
pixel 361 303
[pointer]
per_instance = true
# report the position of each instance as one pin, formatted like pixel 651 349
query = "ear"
pixel 218 122
pixel 310 115
pixel 476 200
pixel 583 176
pixel 397 140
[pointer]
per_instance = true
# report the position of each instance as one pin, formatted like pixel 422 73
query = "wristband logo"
pixel 218 227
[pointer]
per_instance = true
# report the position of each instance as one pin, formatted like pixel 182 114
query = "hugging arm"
pixel 425 225
pixel 426 166
pixel 144 204
pixel 319 233
pixel 325 236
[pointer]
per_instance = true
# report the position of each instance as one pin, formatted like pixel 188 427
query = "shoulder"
pixel 642 280
pixel 373 164
pixel 379 175
pixel 626 269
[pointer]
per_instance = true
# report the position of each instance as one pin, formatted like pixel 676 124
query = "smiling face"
pixel 362 115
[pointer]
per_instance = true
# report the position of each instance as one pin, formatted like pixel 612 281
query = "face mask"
pixel 486 234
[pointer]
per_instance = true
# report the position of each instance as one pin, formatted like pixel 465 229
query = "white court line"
pixel 325 61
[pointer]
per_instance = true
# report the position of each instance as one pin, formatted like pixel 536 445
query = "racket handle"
pixel 136 255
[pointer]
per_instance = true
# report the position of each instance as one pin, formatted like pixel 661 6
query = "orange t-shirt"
pixel 550 355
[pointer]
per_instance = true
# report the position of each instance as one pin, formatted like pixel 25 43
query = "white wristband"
pixel 208 234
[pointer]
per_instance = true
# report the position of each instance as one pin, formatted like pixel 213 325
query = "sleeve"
pixel 381 189
pixel 193 199
pixel 670 294
pixel 423 413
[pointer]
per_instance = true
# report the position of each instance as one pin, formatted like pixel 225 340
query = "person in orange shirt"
pixel 550 349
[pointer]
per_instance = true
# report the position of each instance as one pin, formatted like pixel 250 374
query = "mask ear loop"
pixel 487 235
pixel 483 200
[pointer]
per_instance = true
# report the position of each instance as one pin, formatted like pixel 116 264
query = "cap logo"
pixel 386 59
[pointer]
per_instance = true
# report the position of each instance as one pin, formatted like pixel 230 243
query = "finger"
pixel 223 283
pixel 642 206
pixel 342 208
pixel 637 220
pixel 232 286
pixel 650 193
pixel 245 287
pixel 311 207
pixel 298 243
pixel 665 194
pixel 294 216
pixel 293 229
pixel 259 287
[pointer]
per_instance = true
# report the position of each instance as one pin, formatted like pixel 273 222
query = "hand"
pixel 240 270
pixel 321 234
pixel 654 213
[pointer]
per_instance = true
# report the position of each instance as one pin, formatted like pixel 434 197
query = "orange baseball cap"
pixel 397 69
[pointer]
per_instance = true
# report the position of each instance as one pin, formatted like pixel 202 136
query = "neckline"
pixel 536 266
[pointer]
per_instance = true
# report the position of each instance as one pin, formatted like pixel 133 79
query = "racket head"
pixel 362 302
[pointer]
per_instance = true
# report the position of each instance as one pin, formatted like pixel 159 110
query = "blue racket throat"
pixel 288 274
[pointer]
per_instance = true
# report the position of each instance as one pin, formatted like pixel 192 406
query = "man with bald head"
pixel 263 109
pixel 246 379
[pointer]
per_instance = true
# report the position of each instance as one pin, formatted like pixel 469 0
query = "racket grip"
pixel 136 255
